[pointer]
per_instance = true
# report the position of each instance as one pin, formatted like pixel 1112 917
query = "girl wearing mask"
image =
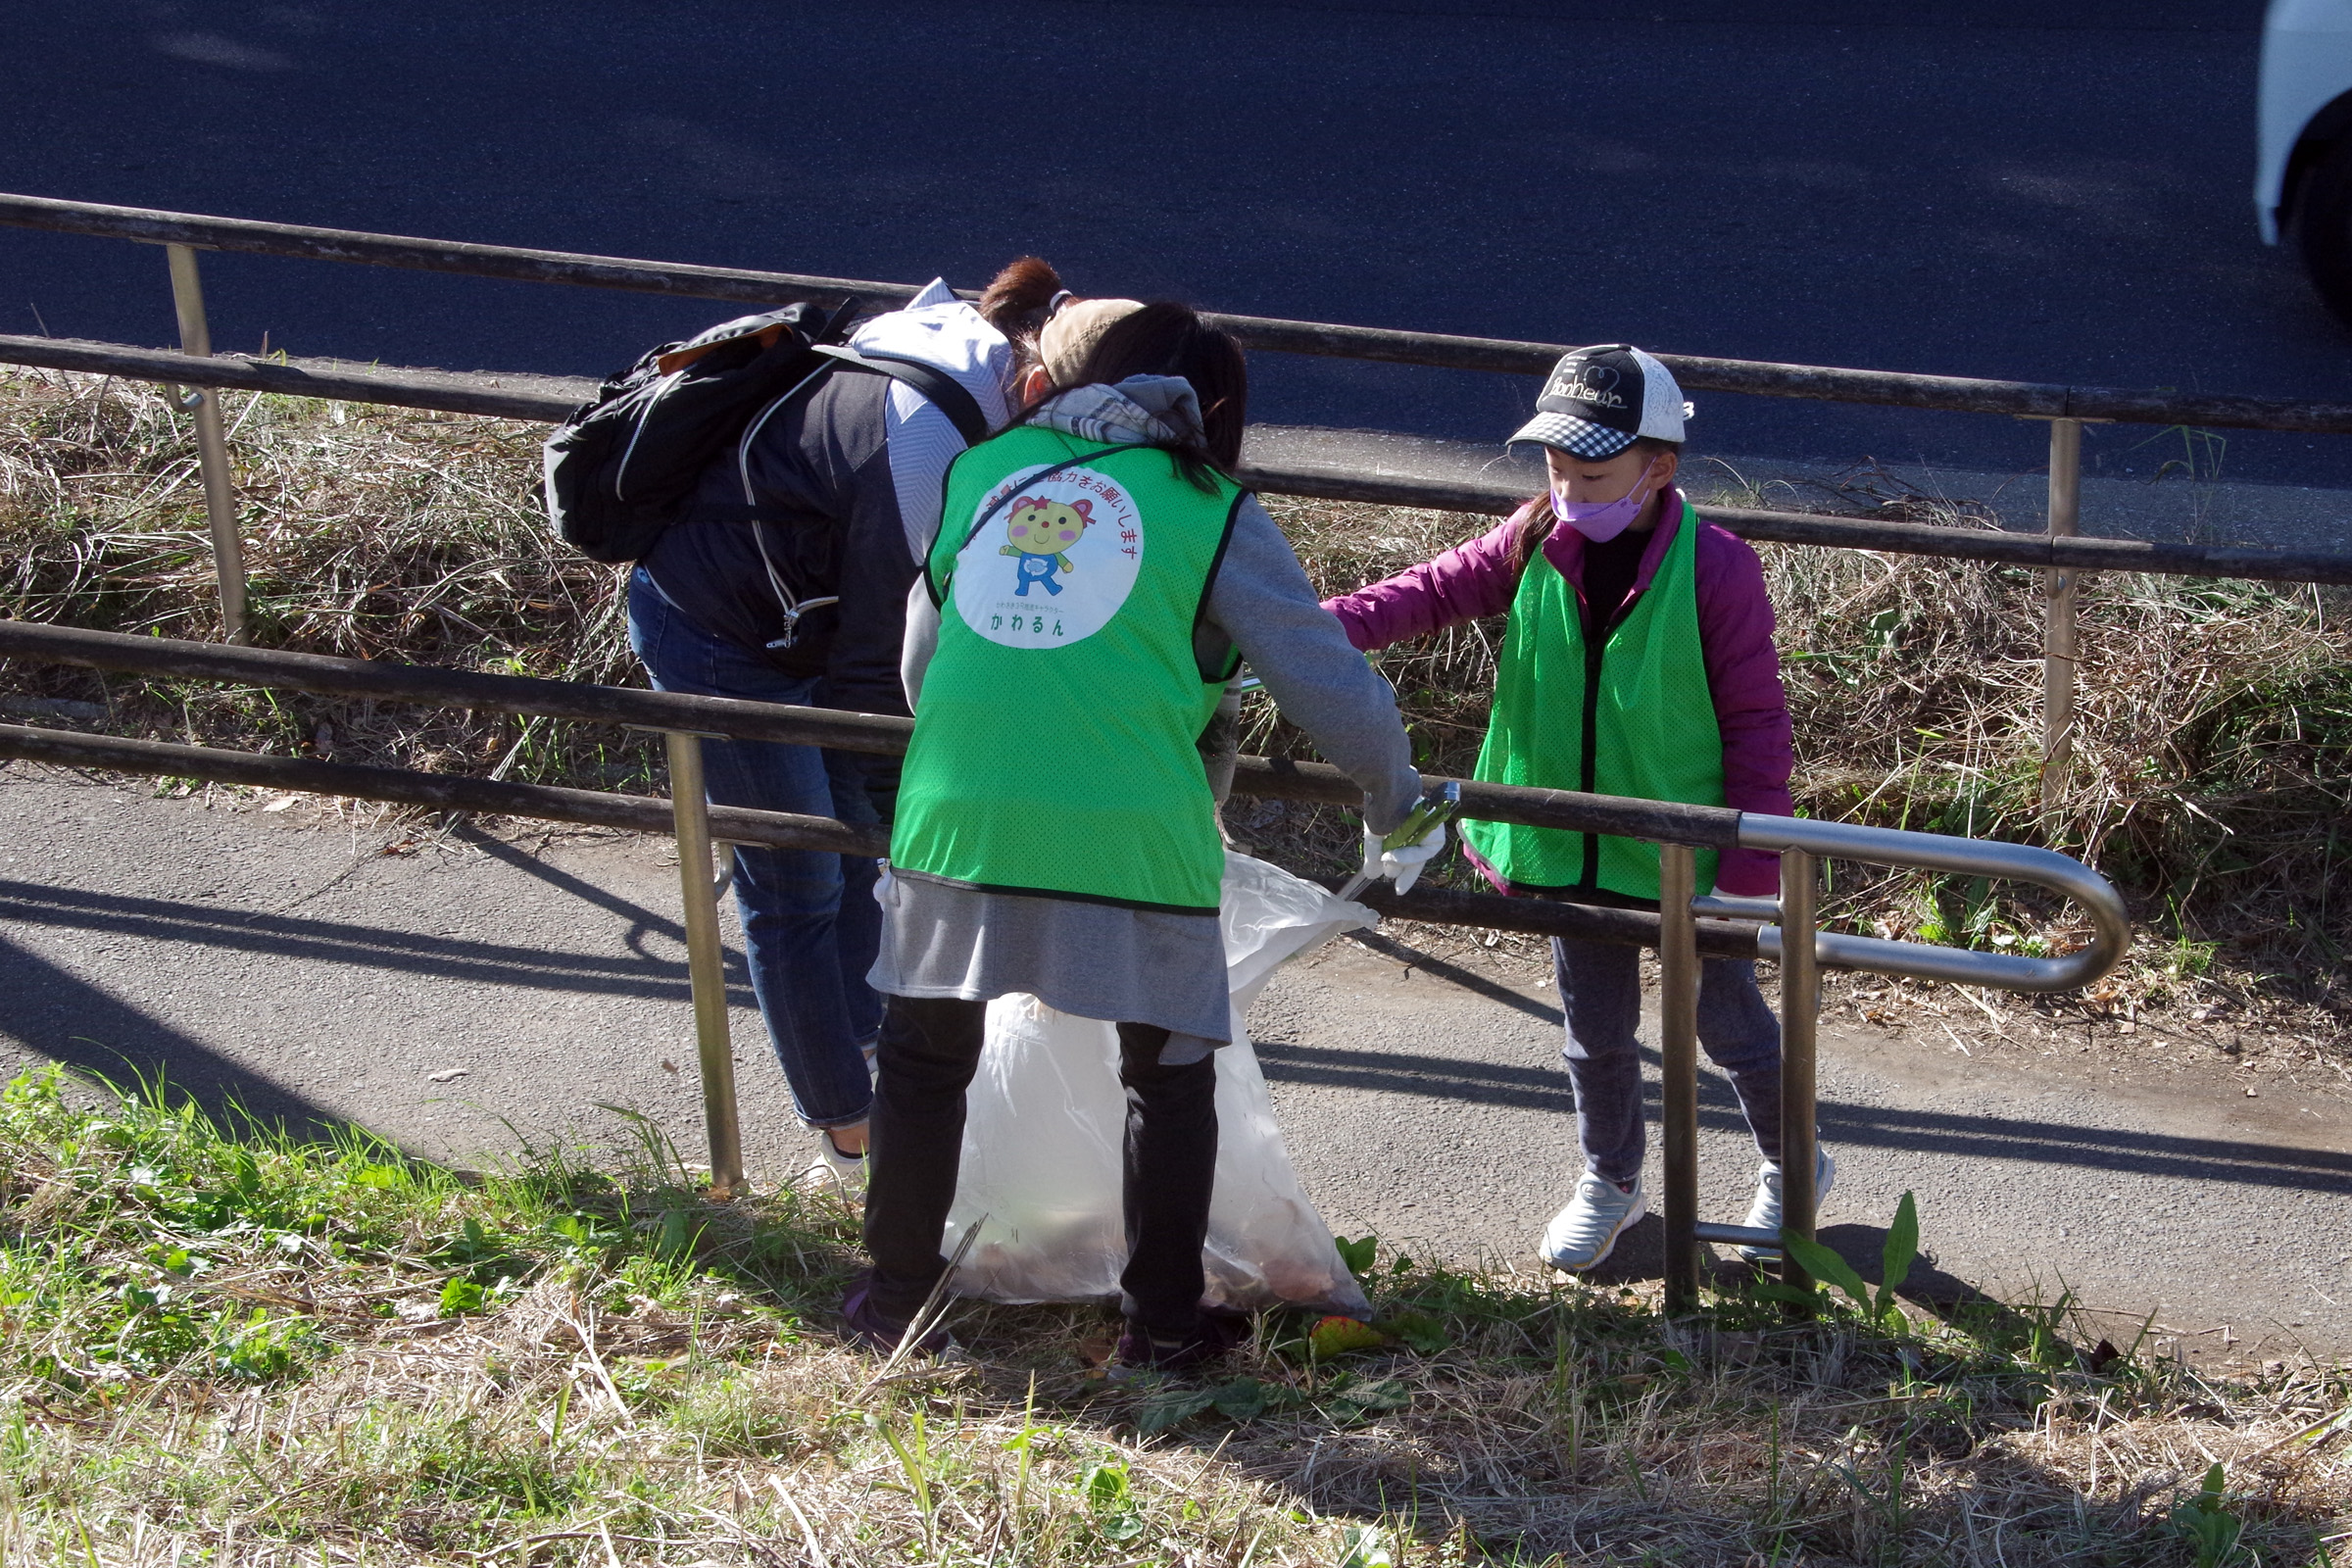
pixel 1639 661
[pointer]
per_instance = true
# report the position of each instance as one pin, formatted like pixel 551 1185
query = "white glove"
pixel 1405 863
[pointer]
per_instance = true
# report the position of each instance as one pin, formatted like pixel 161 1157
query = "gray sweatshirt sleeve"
pixel 921 641
pixel 1263 604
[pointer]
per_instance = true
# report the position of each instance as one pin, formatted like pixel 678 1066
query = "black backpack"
pixel 619 471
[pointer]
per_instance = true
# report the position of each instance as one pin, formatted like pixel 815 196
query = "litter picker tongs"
pixel 1436 810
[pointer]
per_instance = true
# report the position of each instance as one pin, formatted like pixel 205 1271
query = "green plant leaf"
pixel 1167 1407
pixel 1826 1265
pixel 1418 1330
pixel 1367 1397
pixel 1773 1291
pixel 1241 1399
pixel 1364 1547
pixel 1902 1246
pixel 1357 1255
pixel 460 1296
pixel 1105 1484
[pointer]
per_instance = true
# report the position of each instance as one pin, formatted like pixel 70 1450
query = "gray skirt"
pixel 1095 961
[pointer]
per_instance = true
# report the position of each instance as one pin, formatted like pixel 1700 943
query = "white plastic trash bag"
pixel 1046 1118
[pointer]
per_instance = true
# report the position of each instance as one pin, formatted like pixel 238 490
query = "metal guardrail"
pixel 1567 810
pixel 520 396
pixel 2062 556
pixel 1677 930
pixel 2032 399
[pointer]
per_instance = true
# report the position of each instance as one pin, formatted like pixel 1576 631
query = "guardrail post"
pixel 1800 1002
pixel 2058 611
pixel 1678 1054
pixel 705 960
pixel 211 446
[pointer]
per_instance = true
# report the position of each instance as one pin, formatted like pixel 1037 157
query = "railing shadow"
pixel 370 947
pixel 2038 1142
pixel 62 1016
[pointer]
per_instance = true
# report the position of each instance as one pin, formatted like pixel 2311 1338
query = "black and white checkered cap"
pixel 1598 400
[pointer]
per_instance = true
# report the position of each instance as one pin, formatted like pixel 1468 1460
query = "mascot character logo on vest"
pixel 1077 534
pixel 1041 530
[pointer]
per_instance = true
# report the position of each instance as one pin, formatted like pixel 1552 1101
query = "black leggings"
pixel 929 1050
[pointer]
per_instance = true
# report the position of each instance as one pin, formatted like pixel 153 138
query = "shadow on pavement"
pixel 365 946
pixel 1475 984
pixel 70 1022
pixel 2129 1151
pixel 642 920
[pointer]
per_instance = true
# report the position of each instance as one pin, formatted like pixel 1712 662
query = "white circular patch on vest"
pixel 1053 563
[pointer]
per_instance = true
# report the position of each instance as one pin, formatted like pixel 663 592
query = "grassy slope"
pixel 237 1348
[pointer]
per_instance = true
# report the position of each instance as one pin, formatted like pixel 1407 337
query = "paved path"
pixel 1973 188
pixel 299 969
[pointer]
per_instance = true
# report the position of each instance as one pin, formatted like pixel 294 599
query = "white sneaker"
pixel 1764 1213
pixel 844 1171
pixel 1584 1233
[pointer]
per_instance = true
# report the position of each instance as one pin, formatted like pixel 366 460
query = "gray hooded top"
pixel 1137 965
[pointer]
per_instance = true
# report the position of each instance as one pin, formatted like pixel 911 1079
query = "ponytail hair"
pixel 1166 339
pixel 1017 303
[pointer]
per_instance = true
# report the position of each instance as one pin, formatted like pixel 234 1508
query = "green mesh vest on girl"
pixel 1053 749
pixel 1631 716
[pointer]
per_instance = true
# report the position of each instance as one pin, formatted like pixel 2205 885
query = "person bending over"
pixel 786 582
pixel 1056 834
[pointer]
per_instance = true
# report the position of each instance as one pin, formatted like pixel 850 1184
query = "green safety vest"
pixel 1054 748
pixel 1633 717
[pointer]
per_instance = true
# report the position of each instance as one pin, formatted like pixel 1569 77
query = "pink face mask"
pixel 1602 520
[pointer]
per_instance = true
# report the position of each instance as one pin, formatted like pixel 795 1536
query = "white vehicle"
pixel 2303 185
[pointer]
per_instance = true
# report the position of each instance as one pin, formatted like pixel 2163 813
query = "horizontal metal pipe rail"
pixel 1678 930
pixel 440 792
pixel 1445 351
pixel 1567 810
pixel 1272 777
pixel 2061 874
pixel 514 396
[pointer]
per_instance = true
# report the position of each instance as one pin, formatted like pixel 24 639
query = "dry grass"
pixel 244 1349
pixel 372 533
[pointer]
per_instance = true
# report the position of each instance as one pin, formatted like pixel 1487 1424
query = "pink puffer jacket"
pixel 1735 632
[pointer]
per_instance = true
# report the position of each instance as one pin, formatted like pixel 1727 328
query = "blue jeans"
pixel 1601 992
pixel 810 925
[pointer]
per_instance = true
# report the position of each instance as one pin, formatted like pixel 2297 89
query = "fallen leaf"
pixel 1336 1336
pixel 281 803
pixel 668 1065
pixel 449 1075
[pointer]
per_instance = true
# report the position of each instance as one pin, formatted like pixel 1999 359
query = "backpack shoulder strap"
pixel 938 387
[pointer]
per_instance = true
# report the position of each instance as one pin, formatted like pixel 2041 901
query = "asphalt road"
pixel 1974 186
pixel 295 968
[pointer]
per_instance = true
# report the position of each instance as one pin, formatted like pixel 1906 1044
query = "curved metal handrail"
pixel 2111 926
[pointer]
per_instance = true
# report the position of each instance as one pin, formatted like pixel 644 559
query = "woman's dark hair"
pixel 1542 520
pixel 1018 302
pixel 1166 339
